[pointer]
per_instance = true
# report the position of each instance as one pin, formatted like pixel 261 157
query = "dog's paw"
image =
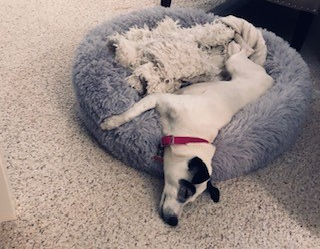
pixel 110 123
pixel 248 51
pixel 239 46
pixel 233 48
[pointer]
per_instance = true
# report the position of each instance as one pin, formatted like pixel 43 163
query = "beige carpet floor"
pixel 71 194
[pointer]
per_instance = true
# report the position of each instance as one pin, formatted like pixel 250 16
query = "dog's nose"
pixel 172 221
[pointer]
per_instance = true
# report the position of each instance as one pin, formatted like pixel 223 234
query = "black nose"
pixel 172 221
pixel 169 217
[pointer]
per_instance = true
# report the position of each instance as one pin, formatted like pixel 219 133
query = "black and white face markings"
pixel 186 190
pixel 199 173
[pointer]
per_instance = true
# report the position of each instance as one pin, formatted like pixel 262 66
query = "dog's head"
pixel 187 170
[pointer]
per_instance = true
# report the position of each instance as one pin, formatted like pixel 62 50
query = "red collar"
pixel 169 140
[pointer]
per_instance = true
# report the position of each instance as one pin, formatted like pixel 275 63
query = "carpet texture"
pixel 69 193
pixel 255 136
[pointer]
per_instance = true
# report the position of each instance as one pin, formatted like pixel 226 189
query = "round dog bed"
pixel 255 136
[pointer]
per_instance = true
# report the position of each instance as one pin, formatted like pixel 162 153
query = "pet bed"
pixel 255 136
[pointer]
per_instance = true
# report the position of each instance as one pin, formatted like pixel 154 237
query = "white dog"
pixel 198 112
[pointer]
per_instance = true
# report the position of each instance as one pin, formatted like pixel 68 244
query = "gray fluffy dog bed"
pixel 256 135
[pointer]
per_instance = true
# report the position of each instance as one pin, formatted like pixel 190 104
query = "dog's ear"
pixel 214 192
pixel 198 170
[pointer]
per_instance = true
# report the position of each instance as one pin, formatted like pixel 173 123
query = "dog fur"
pixel 194 111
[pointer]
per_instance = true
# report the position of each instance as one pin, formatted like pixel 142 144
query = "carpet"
pixel 70 194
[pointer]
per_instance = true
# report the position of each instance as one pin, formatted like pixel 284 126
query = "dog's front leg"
pixel 145 104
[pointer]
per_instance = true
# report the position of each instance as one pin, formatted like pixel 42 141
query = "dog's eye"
pixel 186 190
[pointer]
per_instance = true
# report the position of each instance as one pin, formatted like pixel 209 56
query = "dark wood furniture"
pixel 166 3
pixel 308 9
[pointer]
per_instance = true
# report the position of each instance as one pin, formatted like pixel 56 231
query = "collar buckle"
pixel 167 143
pixel 171 140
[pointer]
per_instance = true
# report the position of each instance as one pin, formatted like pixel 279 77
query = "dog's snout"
pixel 173 221
pixel 169 218
pixel 170 209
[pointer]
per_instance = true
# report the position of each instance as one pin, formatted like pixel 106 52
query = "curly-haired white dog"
pixel 163 58
pixel 191 118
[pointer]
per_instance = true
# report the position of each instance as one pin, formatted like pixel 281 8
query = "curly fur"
pixel 164 57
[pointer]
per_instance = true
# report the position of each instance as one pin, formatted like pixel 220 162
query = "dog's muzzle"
pixel 169 217
pixel 170 210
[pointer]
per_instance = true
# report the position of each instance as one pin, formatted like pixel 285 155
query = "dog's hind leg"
pixel 249 80
pixel 145 104
pixel 240 66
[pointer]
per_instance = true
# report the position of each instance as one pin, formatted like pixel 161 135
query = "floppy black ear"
pixel 199 170
pixel 214 192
